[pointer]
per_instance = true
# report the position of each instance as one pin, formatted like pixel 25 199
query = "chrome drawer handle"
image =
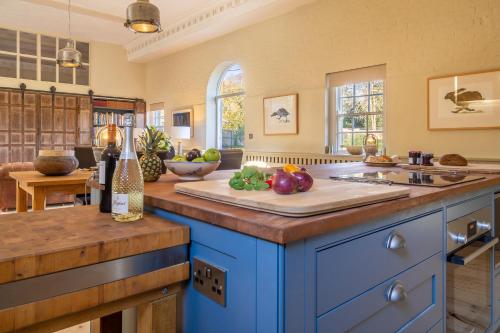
pixel 395 241
pixel 396 292
pixel 483 225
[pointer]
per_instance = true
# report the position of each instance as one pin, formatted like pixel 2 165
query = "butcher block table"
pixel 39 186
pixel 65 266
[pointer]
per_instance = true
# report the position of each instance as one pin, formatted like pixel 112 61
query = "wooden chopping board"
pixel 325 196
pixel 471 168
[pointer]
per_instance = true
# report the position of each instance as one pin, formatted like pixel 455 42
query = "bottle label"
pixel 102 172
pixel 119 203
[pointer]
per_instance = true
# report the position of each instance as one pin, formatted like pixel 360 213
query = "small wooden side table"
pixel 39 186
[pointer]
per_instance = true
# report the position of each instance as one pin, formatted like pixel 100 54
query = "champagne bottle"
pixel 107 166
pixel 128 184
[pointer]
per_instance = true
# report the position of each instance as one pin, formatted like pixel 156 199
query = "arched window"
pixel 229 104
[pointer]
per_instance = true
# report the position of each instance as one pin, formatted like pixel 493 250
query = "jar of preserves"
pixel 427 159
pixel 414 157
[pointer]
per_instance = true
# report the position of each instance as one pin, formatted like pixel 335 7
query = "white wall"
pixel 110 74
pixel 292 54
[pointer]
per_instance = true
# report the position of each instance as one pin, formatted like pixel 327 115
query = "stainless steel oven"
pixel 470 248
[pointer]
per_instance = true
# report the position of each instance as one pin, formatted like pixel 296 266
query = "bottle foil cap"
pixel 128 120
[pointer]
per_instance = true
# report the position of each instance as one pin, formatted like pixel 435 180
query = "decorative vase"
pixel 56 162
pixel 151 167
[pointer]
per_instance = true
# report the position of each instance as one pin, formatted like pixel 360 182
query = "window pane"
pixel 62 42
pixel 49 70
pixel 8 40
pixel 377 87
pixel 48 47
pixel 84 49
pixel 231 81
pixel 377 103
pixel 82 75
pixel 233 126
pixel 347 90
pixel 344 139
pixel 65 75
pixel 344 124
pixel 28 68
pixel 361 104
pixel 376 122
pixel 361 88
pixel 27 43
pixel 346 105
pixel 359 123
pixel 359 139
pixel 380 141
pixel 8 65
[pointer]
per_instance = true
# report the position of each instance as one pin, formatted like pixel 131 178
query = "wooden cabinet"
pixel 31 121
pixel 18 126
pixel 84 122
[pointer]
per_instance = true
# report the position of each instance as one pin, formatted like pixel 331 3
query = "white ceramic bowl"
pixel 191 170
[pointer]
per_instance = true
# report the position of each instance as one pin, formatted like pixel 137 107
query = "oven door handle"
pixel 459 260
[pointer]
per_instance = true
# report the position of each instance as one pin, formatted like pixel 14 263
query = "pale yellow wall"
pixel 110 74
pixel 292 53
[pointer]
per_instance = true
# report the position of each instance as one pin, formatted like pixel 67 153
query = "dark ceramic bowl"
pixel 56 162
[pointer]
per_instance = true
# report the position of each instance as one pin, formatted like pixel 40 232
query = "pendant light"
pixel 69 56
pixel 143 17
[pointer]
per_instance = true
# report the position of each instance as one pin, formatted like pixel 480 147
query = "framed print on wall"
pixel 281 115
pixel 183 118
pixel 464 101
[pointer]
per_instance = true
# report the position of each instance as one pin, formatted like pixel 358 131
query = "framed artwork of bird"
pixel 464 101
pixel 281 115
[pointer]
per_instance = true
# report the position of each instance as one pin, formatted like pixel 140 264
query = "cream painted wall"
pixel 110 74
pixel 417 39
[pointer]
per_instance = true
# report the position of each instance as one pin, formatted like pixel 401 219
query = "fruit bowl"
pixel 191 170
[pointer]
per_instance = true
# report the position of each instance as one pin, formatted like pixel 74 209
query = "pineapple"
pixel 152 140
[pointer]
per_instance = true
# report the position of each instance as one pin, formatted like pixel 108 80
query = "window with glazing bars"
pixel 359 112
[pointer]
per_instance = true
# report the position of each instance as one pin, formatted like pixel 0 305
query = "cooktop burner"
pixel 407 177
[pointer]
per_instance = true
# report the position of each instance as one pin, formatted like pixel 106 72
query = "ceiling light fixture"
pixel 143 17
pixel 69 56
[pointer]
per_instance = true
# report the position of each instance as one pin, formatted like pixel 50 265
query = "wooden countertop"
pixel 38 243
pixel 284 230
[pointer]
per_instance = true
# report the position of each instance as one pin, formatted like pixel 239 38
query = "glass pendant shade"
pixel 69 56
pixel 143 17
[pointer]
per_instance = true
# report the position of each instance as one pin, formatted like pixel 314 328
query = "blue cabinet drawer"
pixel 346 270
pixel 373 312
pixel 456 211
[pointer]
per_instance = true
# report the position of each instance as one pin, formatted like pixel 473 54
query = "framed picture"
pixel 281 115
pixel 183 118
pixel 464 101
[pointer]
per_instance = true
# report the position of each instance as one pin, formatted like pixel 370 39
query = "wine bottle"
pixel 128 184
pixel 107 166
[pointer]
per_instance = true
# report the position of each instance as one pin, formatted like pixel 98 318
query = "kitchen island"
pixel 65 266
pixel 348 270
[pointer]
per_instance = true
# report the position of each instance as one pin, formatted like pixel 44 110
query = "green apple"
pixel 199 160
pixel 179 158
pixel 212 155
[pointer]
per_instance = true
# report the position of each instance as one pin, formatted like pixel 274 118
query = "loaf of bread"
pixel 453 160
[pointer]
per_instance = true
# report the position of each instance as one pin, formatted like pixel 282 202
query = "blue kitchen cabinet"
pixel 318 284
